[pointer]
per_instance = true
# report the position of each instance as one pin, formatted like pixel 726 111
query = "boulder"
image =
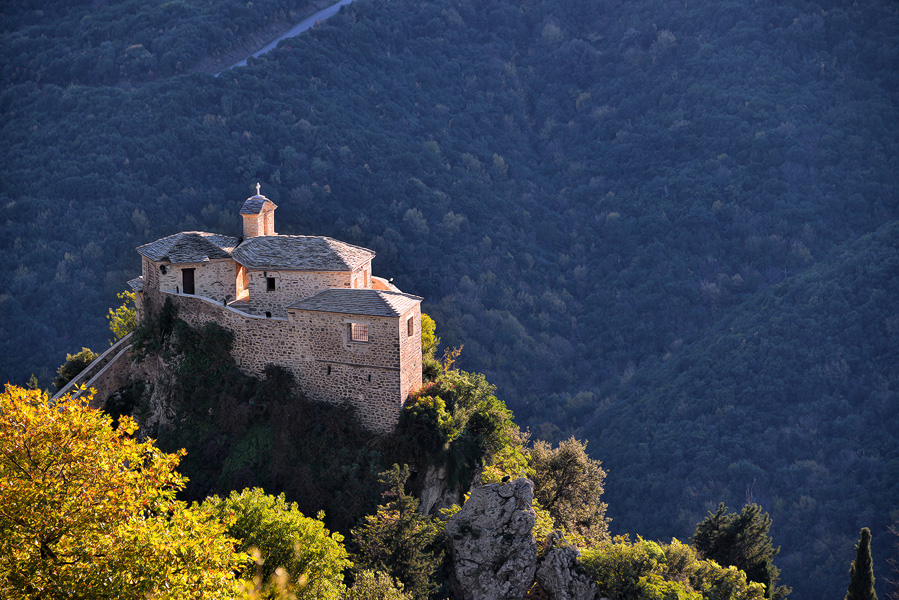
pixel 558 573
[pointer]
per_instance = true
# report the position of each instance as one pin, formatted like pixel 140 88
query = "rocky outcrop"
pixel 157 411
pixel 558 574
pixel 492 543
pixel 435 491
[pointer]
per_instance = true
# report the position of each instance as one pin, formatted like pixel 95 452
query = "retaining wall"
pixel 316 348
pixel 108 373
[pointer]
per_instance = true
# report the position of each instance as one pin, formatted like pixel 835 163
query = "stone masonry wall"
pixel 366 373
pixel 105 374
pixel 252 226
pixel 315 347
pixel 362 276
pixel 215 279
pixel 410 352
pixel 328 334
pixel 150 272
pixel 290 286
pixel 262 223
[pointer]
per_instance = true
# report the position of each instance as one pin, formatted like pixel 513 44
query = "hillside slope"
pixel 792 400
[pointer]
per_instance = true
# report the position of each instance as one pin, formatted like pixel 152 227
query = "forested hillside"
pixel 790 401
pixel 589 195
pixel 88 42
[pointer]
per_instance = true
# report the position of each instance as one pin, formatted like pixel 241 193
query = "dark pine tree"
pixel 741 540
pixel 861 573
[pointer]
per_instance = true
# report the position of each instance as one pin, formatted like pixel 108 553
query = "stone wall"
pixel 410 351
pixel 214 279
pixel 290 286
pixel 316 348
pixel 362 276
pixel 150 273
pixel 327 335
pixel 106 374
pixel 251 226
pixel 261 223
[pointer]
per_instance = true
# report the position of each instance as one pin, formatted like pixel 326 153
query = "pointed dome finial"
pixel 257 188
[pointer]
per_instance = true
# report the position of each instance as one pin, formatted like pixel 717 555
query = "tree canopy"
pixel 569 484
pixel 400 541
pixel 741 540
pixel 88 510
pixel 75 364
pixel 123 319
pixel 312 558
pixel 646 570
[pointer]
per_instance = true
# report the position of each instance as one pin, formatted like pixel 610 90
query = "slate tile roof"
pixel 300 253
pixel 254 204
pixel 377 303
pixel 137 284
pixel 189 247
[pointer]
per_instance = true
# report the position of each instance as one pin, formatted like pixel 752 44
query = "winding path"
pixel 294 31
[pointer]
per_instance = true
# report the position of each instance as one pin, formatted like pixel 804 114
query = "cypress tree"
pixel 861 573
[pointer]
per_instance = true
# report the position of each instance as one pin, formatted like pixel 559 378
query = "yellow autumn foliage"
pixel 88 511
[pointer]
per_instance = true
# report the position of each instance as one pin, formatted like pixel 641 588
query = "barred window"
pixel 358 332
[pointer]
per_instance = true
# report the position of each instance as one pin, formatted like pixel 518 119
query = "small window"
pixel 410 327
pixel 270 284
pixel 358 332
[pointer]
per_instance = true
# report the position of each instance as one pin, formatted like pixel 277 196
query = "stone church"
pixel 306 303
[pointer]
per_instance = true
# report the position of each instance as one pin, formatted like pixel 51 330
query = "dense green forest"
pixel 645 221
pixel 79 42
pixel 806 429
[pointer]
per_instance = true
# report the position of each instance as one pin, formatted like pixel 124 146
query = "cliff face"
pixel 436 493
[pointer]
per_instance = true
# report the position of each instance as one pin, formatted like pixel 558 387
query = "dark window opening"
pixel 329 369
pixel 410 327
pixel 268 315
pixel 369 377
pixel 270 284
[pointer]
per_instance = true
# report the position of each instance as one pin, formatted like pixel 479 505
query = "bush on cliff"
pixel 75 364
pixel 645 570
